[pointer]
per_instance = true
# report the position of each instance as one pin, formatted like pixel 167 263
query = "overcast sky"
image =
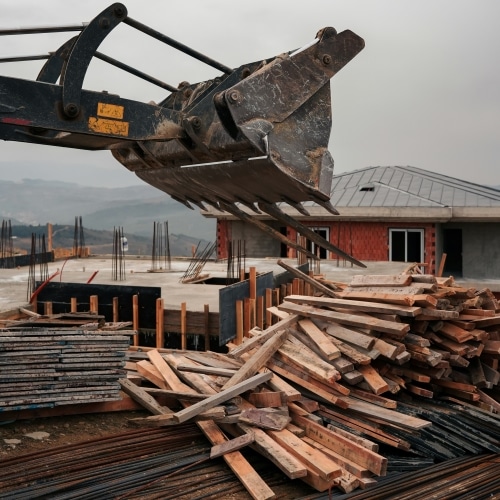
pixel 424 92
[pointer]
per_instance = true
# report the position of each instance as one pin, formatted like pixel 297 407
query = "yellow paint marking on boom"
pixel 110 110
pixel 108 127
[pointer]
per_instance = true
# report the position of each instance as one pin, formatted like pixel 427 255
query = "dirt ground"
pixel 51 432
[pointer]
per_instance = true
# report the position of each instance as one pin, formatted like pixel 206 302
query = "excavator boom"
pixel 251 138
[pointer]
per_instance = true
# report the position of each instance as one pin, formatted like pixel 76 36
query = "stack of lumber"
pixel 43 368
pixel 414 333
pixel 237 401
pixel 390 369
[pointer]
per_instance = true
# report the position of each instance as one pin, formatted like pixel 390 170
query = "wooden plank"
pixel 166 372
pixel 485 398
pixel 351 353
pixel 149 372
pixel 381 280
pixel 366 443
pixel 376 383
pixel 216 413
pixel 181 396
pixel 380 296
pixel 455 333
pixel 257 360
pixel 214 359
pixel 353 377
pixel 315 284
pixel 314 460
pixel 289 393
pixel 264 418
pixel 189 412
pixel 193 380
pixel 320 339
pixel 266 399
pixel 353 451
pixel 450 384
pixel 390 348
pixel 309 361
pixel 232 445
pixel 296 377
pixel 349 335
pixel 357 305
pixel 348 481
pixel 250 343
pixel 143 398
pixel 207 370
pixel 271 450
pixel 387 415
pixel 342 364
pixel 346 319
pixel 492 347
pixel 254 484
pixel 430 314
pixel 415 289
pixel 276 312
pixel 365 427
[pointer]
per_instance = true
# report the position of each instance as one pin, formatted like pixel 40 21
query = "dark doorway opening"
pixel 452 247
pixel 316 249
pixel 283 246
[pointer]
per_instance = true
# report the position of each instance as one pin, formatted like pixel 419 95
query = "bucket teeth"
pixel 240 214
pixel 277 213
pixel 298 206
pixel 328 206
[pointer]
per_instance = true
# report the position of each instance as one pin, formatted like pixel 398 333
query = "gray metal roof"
pixel 408 187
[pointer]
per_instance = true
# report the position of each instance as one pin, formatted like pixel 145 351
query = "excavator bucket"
pixel 252 138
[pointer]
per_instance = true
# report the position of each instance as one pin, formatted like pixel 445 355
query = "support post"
pixel 160 325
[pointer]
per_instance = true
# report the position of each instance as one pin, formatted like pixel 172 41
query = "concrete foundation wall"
pixel 481 250
pixel 257 243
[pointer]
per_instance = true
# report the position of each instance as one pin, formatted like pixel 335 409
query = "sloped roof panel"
pixel 408 187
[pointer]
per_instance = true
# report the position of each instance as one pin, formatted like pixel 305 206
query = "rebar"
pixel 160 255
pixel 7 246
pixel 129 465
pixel 78 238
pixel 235 262
pixel 198 262
pixel 118 258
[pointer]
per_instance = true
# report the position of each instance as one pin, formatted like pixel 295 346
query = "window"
pixel 406 245
pixel 316 249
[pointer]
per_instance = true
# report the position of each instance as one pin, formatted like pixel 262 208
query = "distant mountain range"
pixel 135 208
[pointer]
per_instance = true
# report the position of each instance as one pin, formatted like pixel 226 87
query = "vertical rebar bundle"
pixel 31 273
pixel 235 262
pixel 38 255
pixel 160 255
pixel 198 262
pixel 43 261
pixel 118 258
pixel 6 246
pixel 78 238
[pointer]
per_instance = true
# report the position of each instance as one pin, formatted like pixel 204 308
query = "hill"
pixel 101 241
pixel 35 202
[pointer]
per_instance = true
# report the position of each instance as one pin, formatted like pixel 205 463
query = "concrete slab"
pixel 14 282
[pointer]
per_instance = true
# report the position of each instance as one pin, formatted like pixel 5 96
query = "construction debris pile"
pixel 386 374
pixel 44 367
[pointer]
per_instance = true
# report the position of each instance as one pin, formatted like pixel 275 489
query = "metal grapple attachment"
pixel 253 137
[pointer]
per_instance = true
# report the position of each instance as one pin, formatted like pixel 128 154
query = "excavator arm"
pixel 244 142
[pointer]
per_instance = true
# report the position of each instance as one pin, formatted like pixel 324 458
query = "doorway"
pixel 452 247
pixel 320 252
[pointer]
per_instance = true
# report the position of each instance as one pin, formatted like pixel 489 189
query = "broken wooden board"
pixel 264 418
